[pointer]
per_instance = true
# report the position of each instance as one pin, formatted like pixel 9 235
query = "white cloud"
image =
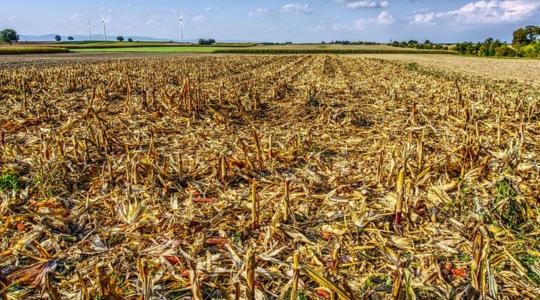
pixel 382 19
pixel 297 8
pixel 210 8
pixel 366 4
pixel 258 12
pixel 483 12
pixel 423 18
pixel 385 18
pixel 199 19
pixel 495 11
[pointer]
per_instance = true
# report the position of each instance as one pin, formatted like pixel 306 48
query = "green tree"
pixel 130 40
pixel 206 42
pixel 120 38
pixel 58 38
pixel 9 36
pixel 532 32
pixel 70 38
pixel 520 38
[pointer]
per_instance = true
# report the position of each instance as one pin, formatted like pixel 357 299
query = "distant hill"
pixel 97 37
pixel 112 37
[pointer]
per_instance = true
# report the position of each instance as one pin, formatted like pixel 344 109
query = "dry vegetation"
pixel 520 70
pixel 328 49
pixel 266 177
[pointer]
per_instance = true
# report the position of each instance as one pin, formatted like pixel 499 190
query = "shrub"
pixel 467 48
pixel 531 50
pixel 505 51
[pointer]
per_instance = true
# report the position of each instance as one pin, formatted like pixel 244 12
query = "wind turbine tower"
pixel 104 27
pixel 181 21
pixel 89 31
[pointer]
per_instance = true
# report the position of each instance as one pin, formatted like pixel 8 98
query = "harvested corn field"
pixel 256 177
pixel 521 70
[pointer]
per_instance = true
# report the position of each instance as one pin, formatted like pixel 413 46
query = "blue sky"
pixel 278 20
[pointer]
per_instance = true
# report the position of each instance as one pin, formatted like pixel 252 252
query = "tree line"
pixel 10 36
pixel 416 45
pixel 525 43
pixel 346 42
pixel 119 38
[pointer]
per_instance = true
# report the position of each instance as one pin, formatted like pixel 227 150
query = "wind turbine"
pixel 181 21
pixel 89 30
pixel 104 27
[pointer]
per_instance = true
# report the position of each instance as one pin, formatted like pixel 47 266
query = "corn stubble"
pixel 266 177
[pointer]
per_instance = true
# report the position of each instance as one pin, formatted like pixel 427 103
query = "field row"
pixel 7 50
